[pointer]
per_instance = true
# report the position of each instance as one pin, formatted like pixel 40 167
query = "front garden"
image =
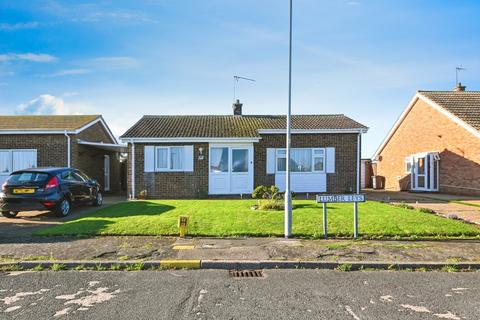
pixel 231 218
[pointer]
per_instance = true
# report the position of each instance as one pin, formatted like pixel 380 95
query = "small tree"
pixel 269 197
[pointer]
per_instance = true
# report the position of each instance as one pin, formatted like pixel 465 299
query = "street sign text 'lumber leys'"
pixel 339 198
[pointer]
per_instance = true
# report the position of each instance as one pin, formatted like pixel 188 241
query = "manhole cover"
pixel 246 273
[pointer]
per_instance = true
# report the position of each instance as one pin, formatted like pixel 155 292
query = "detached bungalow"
pixel 197 156
pixel 81 141
pixel 434 145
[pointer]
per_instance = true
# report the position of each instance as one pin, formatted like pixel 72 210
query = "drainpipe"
pixel 68 149
pixel 132 196
pixel 357 191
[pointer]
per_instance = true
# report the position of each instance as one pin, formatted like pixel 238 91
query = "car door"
pixel 88 191
pixel 74 184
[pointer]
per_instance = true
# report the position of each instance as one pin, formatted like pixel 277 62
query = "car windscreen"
pixel 28 177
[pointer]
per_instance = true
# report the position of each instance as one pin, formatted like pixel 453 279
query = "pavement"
pixel 143 248
pixel 28 222
pixel 214 294
pixel 442 204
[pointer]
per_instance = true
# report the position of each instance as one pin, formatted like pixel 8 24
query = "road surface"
pixel 209 294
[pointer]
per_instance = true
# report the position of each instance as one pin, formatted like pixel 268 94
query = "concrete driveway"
pixel 28 222
pixel 442 204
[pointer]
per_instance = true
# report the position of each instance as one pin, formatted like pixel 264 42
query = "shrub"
pixel 264 192
pixel 271 204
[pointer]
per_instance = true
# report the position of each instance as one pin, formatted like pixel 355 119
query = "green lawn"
pixel 235 218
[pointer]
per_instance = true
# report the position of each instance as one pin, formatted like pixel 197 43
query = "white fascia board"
pixel 434 105
pixel 451 116
pixel 121 147
pixel 4 132
pixel 193 139
pixel 312 131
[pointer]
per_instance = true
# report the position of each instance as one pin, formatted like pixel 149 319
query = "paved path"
pixel 207 294
pixel 158 248
pixel 28 222
pixel 440 203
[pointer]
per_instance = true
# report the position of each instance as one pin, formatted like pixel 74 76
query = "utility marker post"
pixel 288 193
pixel 325 227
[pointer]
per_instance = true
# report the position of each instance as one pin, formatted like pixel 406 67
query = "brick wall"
pixel 51 149
pixel 343 180
pixel 169 184
pixel 193 184
pixel 426 129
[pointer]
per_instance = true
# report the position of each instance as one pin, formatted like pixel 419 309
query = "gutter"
pixel 68 149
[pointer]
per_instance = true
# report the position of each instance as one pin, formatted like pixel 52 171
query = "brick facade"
pixel 52 152
pixel 425 129
pixel 195 184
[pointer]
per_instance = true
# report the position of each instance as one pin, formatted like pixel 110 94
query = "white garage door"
pixel 16 159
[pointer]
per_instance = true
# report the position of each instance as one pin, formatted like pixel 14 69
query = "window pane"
pixel 301 160
pixel 281 152
pixel 240 160
pixel 28 177
pixel 281 164
pixel 319 163
pixel 176 158
pixel 318 151
pixel 162 158
pixel 4 162
pixel 219 160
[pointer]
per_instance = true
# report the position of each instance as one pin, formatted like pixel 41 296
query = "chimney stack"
pixel 459 87
pixel 237 108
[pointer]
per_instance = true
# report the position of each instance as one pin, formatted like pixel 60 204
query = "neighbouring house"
pixel 210 155
pixel 366 173
pixel 81 141
pixel 434 145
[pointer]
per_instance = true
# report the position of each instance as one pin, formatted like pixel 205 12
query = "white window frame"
pixel 279 154
pixel 408 160
pixel 11 164
pixel 168 168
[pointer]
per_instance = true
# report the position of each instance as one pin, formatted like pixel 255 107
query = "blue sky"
pixel 123 59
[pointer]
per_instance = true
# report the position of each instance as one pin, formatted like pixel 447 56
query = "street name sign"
pixel 335 198
pixel 341 198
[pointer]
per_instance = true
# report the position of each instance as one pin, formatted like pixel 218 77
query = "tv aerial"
pixel 236 79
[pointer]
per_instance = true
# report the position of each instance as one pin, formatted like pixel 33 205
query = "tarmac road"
pixel 209 294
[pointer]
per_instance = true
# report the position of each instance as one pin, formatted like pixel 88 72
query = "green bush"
pixel 271 204
pixel 264 192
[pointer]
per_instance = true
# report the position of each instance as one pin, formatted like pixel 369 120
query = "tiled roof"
pixel 463 104
pixel 231 126
pixel 49 123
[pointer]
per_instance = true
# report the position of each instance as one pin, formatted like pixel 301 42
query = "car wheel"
pixel 63 208
pixel 98 200
pixel 9 214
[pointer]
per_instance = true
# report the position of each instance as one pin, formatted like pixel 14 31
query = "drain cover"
pixel 246 273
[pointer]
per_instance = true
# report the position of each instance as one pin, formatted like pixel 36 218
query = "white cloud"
pixel 19 26
pixel 70 72
pixel 33 57
pixel 114 62
pixel 44 104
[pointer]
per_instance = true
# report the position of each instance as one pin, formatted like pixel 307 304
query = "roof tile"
pixel 41 122
pixel 222 126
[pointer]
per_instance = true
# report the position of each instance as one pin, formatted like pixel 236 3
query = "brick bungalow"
pixel 199 156
pixel 434 146
pixel 81 141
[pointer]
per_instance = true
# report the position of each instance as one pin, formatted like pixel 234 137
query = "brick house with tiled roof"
pixel 194 156
pixel 434 146
pixel 84 142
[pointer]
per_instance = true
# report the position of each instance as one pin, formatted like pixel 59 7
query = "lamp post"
pixel 288 193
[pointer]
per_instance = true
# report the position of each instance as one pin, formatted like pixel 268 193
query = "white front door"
pixel 106 172
pixel 230 169
pixel 425 172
